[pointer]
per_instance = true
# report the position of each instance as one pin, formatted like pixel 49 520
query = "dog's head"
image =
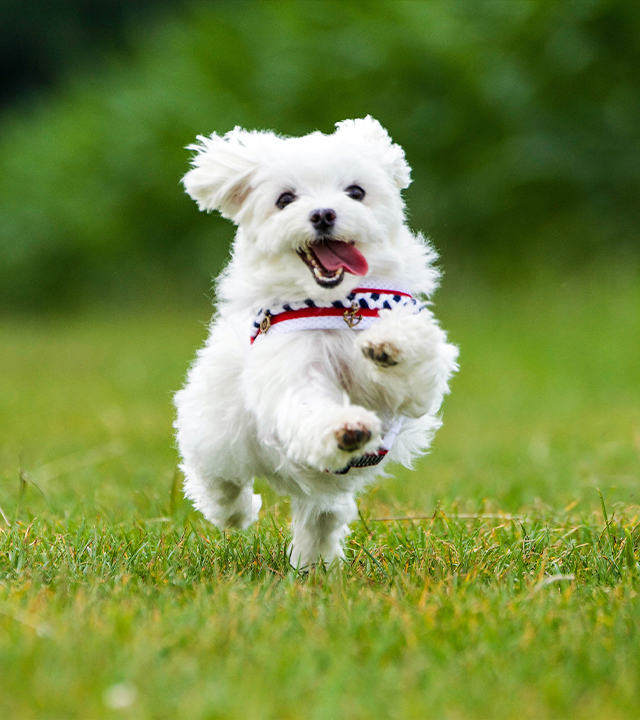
pixel 314 209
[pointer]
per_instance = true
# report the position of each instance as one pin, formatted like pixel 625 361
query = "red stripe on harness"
pixel 320 312
pixel 316 312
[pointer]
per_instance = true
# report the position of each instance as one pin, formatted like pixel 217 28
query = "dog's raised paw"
pixel 385 354
pixel 352 437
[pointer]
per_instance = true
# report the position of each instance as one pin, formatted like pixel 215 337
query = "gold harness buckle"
pixel 265 323
pixel 352 316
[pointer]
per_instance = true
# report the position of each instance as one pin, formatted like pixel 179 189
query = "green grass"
pixel 514 595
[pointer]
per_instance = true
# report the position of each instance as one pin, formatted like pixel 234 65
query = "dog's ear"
pixel 221 174
pixel 390 155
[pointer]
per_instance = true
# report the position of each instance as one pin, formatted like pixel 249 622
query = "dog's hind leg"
pixel 214 434
pixel 319 530
pixel 225 503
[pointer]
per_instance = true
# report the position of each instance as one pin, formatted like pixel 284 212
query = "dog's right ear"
pixel 391 156
pixel 222 172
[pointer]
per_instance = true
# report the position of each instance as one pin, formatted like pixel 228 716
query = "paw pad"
pixel 352 438
pixel 384 354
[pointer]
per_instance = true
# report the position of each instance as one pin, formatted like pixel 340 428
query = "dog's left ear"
pixel 222 172
pixel 390 155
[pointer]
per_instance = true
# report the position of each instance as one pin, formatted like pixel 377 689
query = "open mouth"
pixel 329 259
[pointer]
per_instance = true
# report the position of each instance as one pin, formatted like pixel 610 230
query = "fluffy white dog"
pixel 323 362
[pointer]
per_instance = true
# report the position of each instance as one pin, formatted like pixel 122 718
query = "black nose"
pixel 323 220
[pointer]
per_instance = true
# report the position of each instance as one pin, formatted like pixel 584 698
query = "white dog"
pixel 323 362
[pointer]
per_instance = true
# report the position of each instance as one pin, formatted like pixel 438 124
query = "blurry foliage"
pixel 520 120
pixel 56 38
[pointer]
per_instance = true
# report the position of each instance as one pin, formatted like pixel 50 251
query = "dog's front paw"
pixel 402 339
pixel 347 432
pixel 382 353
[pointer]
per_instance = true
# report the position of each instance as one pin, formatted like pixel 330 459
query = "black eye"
pixel 355 192
pixel 285 199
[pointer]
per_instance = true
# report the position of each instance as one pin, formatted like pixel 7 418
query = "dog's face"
pixel 313 210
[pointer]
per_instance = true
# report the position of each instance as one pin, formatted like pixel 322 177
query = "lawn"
pixel 499 579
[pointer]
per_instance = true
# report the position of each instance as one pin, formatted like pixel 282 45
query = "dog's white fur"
pixel 277 408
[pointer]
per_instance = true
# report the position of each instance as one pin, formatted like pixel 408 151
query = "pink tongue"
pixel 333 254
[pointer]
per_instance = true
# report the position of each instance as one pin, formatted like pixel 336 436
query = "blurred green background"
pixel 520 119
